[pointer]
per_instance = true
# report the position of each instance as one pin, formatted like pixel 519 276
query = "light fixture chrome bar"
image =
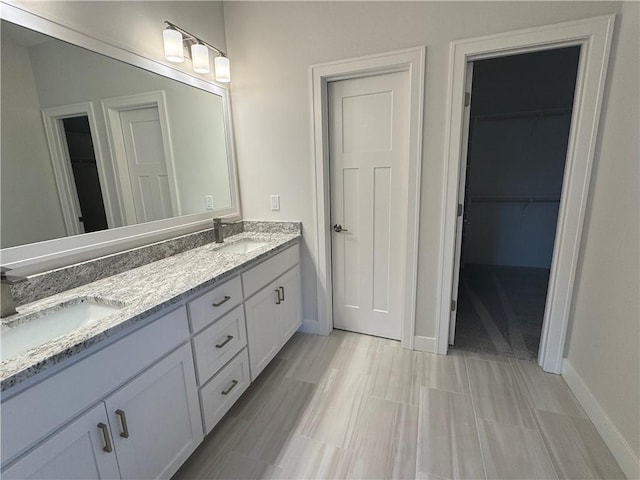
pixel 191 37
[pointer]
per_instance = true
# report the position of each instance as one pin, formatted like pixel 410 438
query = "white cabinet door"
pixel 263 331
pixel 290 309
pixel 155 419
pixel 78 451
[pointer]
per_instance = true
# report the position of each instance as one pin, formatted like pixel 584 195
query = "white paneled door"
pixel 369 138
pixel 147 165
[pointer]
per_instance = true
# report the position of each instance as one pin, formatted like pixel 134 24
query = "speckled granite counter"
pixel 143 291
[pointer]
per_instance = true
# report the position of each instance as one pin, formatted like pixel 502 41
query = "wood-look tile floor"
pixel 355 406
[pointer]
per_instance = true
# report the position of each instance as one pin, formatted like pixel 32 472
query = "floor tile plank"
pixel 385 442
pixel 333 412
pixel 514 453
pixel 576 448
pixel 448 444
pixel 496 394
pixel 546 391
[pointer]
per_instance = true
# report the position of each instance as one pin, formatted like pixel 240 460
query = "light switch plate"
pixel 208 201
pixel 275 202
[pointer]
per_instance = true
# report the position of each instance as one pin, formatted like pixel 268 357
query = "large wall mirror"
pixel 97 151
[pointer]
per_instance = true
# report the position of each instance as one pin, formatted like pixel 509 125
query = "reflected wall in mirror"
pixel 90 143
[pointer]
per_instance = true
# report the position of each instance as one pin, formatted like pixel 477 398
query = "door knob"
pixel 338 228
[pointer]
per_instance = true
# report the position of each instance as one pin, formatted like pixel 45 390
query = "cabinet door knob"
pixel 282 290
pixel 123 421
pixel 107 438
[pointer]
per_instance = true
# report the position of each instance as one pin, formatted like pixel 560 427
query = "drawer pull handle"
pixel 282 290
pixel 227 340
pixel 107 439
pixel 123 422
pixel 224 300
pixel 231 387
pixel 278 300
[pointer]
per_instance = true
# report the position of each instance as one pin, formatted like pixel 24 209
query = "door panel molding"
pixel 413 61
pixel 594 37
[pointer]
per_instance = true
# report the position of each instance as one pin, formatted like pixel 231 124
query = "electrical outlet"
pixel 208 201
pixel 275 202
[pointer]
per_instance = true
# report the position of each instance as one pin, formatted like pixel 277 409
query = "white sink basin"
pixel 30 331
pixel 245 245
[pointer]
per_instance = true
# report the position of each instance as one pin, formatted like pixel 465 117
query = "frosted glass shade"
pixel 200 58
pixel 223 70
pixel 173 49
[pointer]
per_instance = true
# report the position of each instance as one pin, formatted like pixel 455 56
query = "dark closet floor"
pixel 500 310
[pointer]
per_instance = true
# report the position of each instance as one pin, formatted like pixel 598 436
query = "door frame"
pixel 111 108
pixel 67 193
pixel 411 60
pixel 593 35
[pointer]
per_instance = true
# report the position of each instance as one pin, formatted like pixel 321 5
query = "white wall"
pixel 272 45
pixel 604 343
pixel 30 207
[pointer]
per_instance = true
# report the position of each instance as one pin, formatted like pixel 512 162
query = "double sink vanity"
pixel 124 376
pixel 136 331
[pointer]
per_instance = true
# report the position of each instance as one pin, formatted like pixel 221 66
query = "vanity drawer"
pixel 222 391
pixel 267 271
pixel 218 343
pixel 212 305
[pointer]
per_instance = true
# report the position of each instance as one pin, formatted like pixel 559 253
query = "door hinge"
pixel 459 209
pixel 80 219
pixel 453 305
pixel 467 99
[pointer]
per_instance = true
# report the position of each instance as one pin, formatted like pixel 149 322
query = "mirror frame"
pixel 46 255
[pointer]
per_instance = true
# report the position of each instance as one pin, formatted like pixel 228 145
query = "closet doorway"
pixel 84 167
pixel 518 120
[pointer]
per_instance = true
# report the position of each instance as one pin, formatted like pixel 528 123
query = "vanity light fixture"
pixel 175 41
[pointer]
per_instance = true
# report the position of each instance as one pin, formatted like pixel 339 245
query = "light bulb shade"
pixel 173 49
pixel 200 58
pixel 223 70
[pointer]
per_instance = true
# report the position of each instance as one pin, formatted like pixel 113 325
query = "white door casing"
pixel 113 108
pixel 63 173
pixel 146 164
pixel 368 145
pixel 594 37
pixel 411 60
pixel 460 212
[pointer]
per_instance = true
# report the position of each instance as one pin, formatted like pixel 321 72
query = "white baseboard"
pixel 424 344
pixel 310 326
pixel 623 453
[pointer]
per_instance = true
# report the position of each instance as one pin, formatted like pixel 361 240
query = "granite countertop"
pixel 141 292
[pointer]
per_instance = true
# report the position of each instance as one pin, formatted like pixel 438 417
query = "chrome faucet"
pixel 218 233
pixel 8 306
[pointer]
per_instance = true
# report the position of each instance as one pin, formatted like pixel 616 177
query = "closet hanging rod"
pixel 547 112
pixel 519 198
